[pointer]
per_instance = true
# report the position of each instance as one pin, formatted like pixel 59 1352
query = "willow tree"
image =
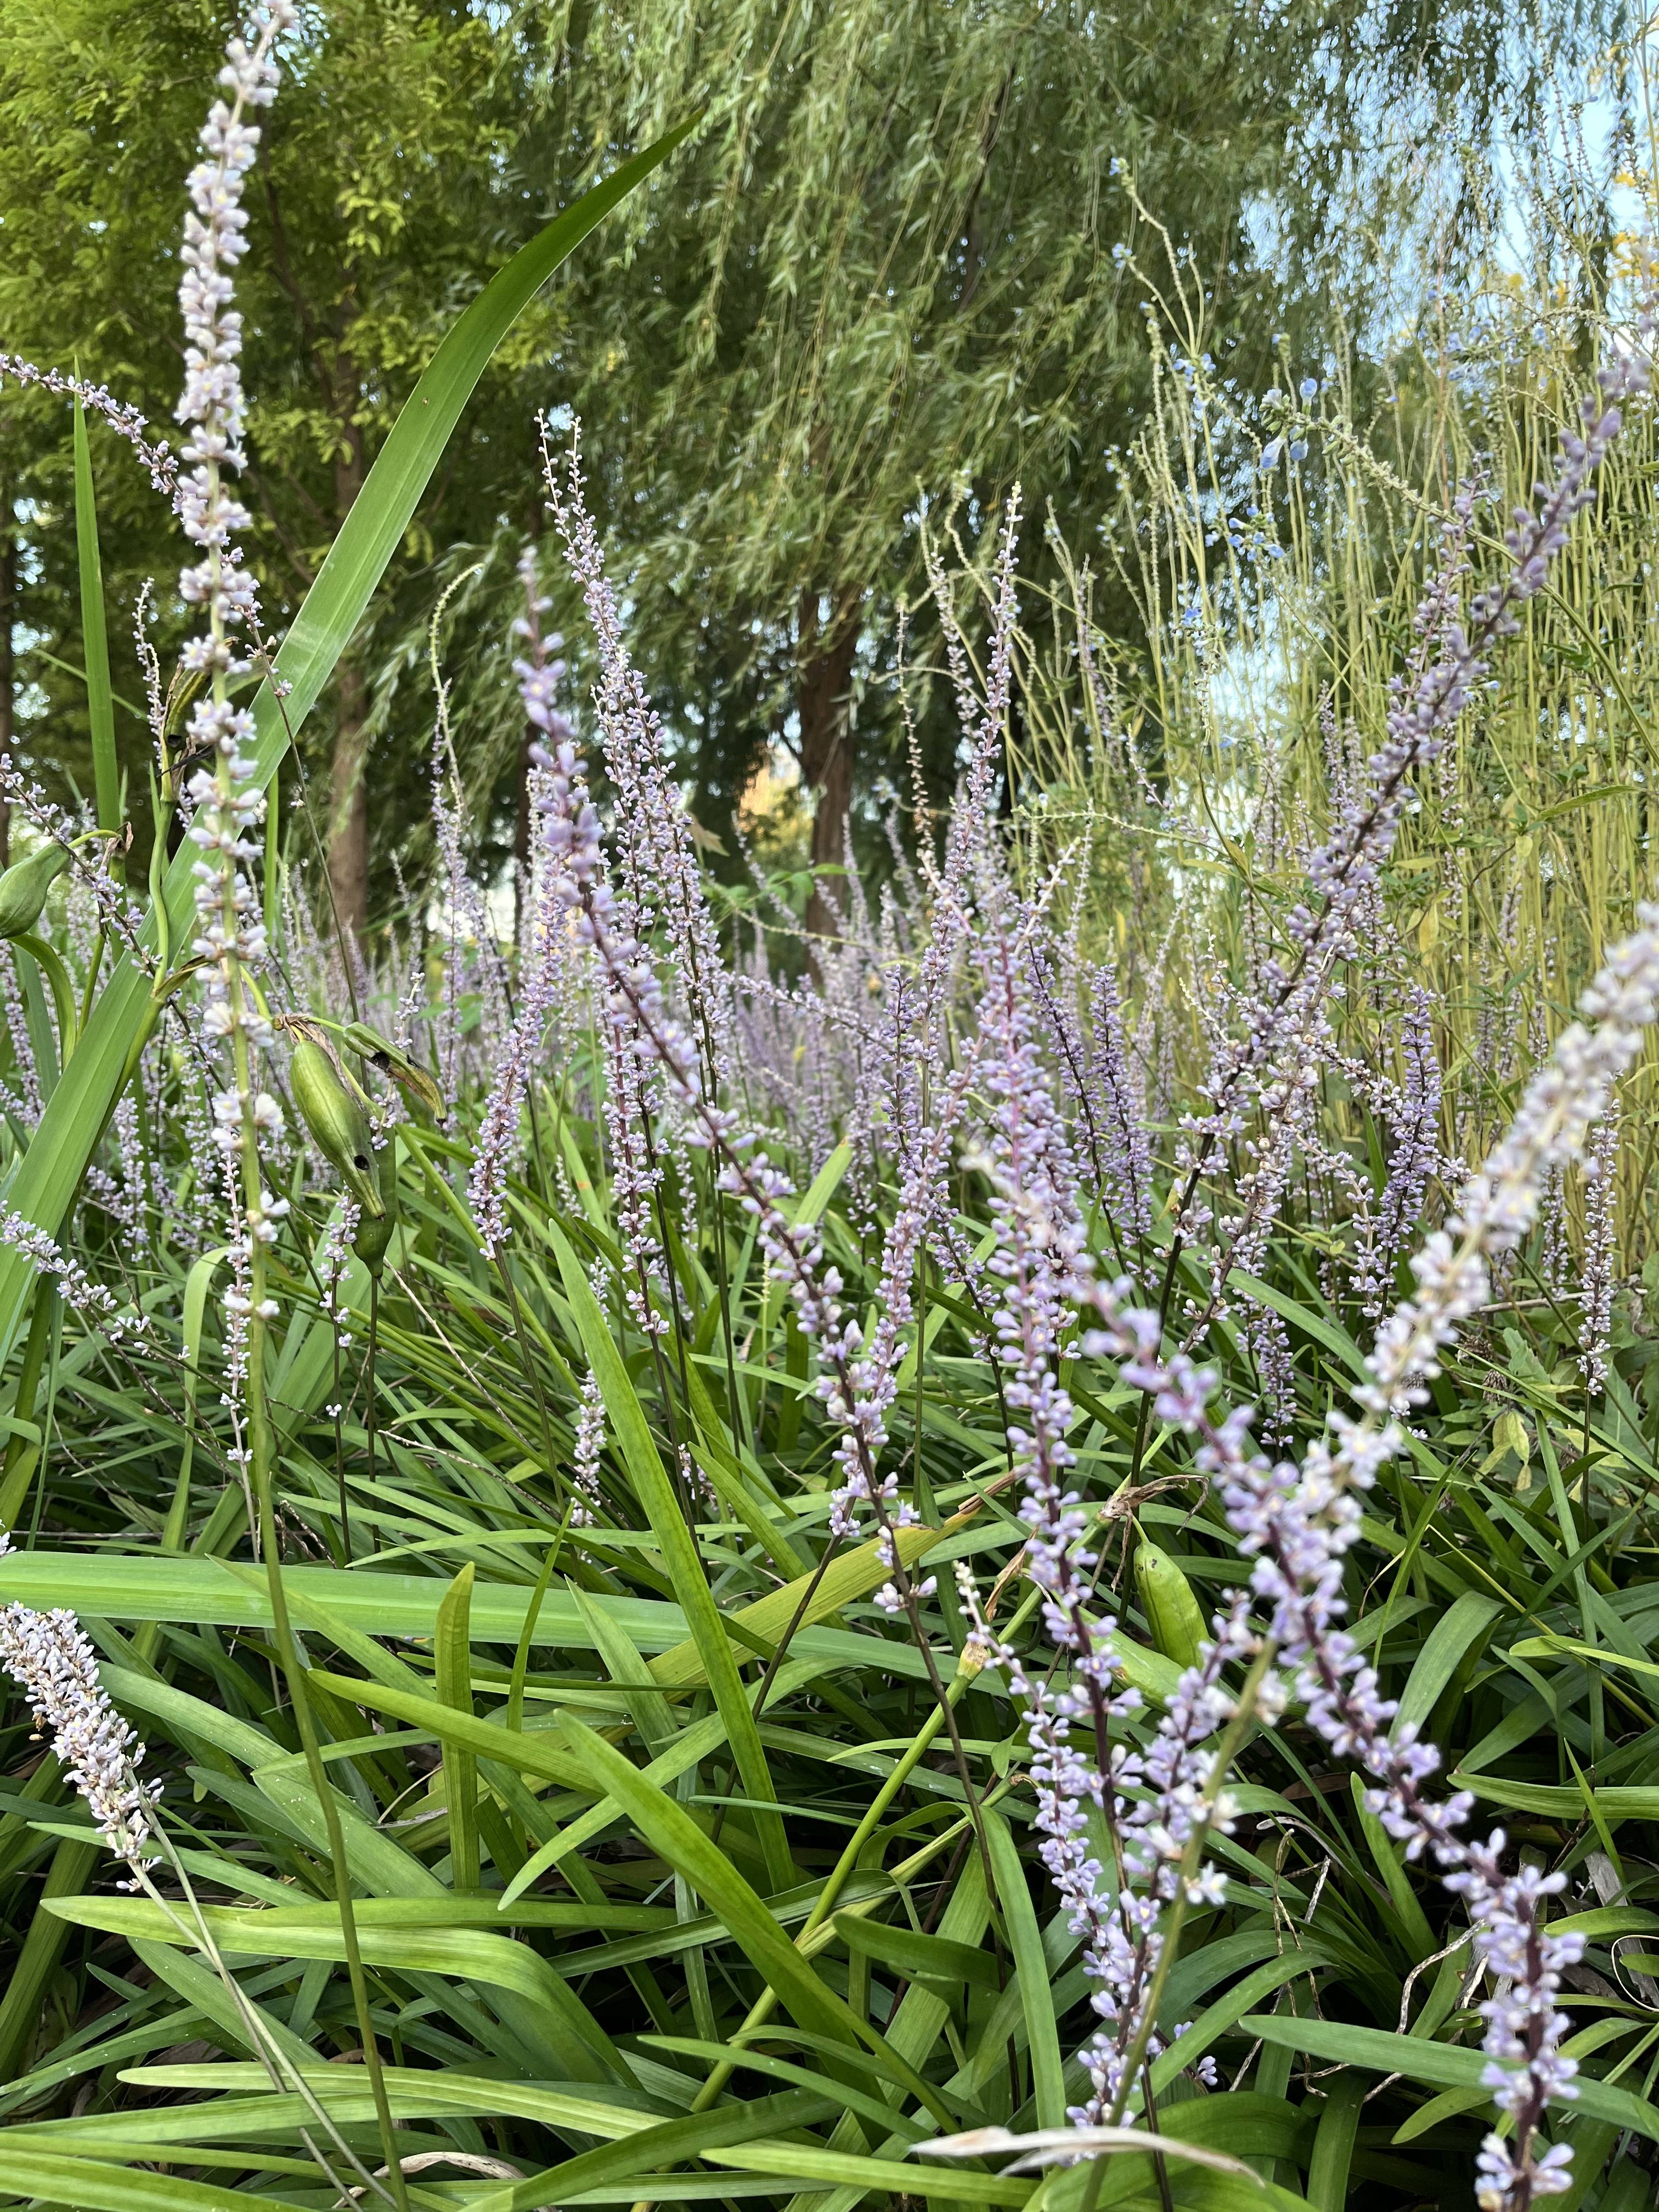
pixel 909 250
pixel 912 251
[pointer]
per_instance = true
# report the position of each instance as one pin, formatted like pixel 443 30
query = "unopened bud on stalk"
pixel 337 1123
pixel 24 886
pixel 1166 1598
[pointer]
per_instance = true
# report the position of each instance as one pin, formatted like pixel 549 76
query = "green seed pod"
pixel 24 886
pixel 1171 1610
pixel 373 1235
pixel 1143 1668
pixel 337 1123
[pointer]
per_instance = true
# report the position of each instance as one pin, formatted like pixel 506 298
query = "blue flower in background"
pixel 1299 449
pixel 1270 454
pixel 1309 387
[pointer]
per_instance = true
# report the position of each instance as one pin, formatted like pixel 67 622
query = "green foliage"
pixel 554 1809
pixel 890 266
pixel 568 1903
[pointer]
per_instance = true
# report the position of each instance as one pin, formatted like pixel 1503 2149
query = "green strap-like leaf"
pixel 626 1663
pixel 412 2090
pixel 452 1654
pixel 62 1143
pixel 670 1831
pixel 853 1576
pixel 915 1958
pixel 654 2148
pixel 1442 2065
pixel 662 1508
pixel 349 1607
pixel 469 1955
pixel 1036 1995
pixel 1448 1643
pixel 102 2188
pixel 1334 2144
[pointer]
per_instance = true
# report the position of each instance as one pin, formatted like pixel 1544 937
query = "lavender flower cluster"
pixel 77 1288
pixel 657 869
pixel 1157 1802
pixel 1158 1805
pixel 585 1459
pixel 1298 1522
pixel 538 670
pixel 227 806
pixel 1525 1961
pixel 1600 1250
pixel 47 1655
pixel 123 420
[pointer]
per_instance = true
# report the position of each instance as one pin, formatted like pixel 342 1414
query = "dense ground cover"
pixel 744 1579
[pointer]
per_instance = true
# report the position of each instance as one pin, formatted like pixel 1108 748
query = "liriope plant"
pixel 666 1622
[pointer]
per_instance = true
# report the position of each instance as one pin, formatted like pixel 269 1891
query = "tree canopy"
pixel 909 251
pixel 384 196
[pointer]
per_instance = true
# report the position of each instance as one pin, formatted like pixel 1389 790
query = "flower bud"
pixel 337 1123
pixel 1166 1598
pixel 24 886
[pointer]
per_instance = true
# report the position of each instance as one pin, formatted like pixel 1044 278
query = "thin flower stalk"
pixel 1413 1111
pixel 125 421
pixel 227 806
pixel 658 855
pixel 907 1051
pixel 1125 1166
pixel 227 809
pixel 585 1458
pixel 1601 1253
pixel 861 1406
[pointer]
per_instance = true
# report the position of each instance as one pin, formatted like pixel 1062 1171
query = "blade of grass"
pixel 661 1507
pixel 1031 1969
pixel 453 1652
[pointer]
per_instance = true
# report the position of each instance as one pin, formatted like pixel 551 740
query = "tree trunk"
pixel 8 668
pixel 823 671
